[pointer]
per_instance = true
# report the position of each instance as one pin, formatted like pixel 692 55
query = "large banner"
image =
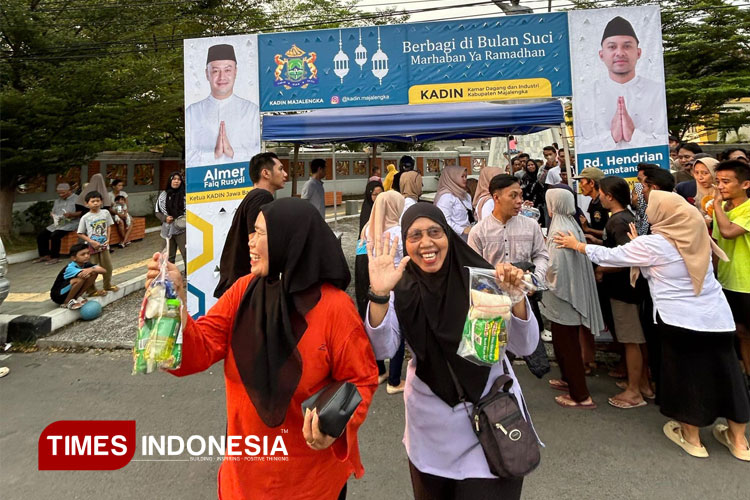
pixel 222 133
pixel 497 58
pixel 619 100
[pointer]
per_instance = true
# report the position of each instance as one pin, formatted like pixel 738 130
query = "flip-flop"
pixel 720 433
pixel 624 385
pixel 616 374
pixel 624 404
pixel 558 385
pixel 569 403
pixel 678 439
pixel 4 370
pixel 98 293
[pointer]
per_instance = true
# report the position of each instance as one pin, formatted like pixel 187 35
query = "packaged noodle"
pixel 158 343
pixel 485 334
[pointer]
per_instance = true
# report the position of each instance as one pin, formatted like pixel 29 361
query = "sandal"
pixel 73 305
pixel 40 259
pixel 113 288
pixel 560 385
pixel 721 433
pixel 674 433
pixel 626 404
pixel 624 386
pixel 98 293
pixel 566 402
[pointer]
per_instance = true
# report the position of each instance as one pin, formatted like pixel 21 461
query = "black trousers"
pixel 429 487
pixel 44 246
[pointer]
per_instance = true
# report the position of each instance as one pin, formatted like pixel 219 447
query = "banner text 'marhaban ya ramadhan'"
pixel 478 48
pixel 509 57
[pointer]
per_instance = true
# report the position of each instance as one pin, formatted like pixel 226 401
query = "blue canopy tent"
pixel 405 123
pixel 411 124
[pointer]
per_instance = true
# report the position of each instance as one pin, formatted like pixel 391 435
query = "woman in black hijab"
pixel 170 209
pixel 533 191
pixel 426 299
pixel 285 331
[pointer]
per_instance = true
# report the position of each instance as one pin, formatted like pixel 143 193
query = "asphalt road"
pixel 607 453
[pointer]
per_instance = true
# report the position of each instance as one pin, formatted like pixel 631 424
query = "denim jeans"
pixel 397 361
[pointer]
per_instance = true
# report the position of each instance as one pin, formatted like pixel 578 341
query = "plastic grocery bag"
pixel 485 334
pixel 159 340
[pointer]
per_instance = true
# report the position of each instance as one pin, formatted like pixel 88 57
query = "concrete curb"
pixel 17 258
pixel 29 328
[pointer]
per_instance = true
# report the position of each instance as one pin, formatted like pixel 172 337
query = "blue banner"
pixel 509 57
pixel 228 181
pixel 624 162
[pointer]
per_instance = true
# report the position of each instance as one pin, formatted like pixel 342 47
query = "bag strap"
pixel 504 381
pixel 461 394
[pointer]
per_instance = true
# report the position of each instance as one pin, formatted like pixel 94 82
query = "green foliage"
pixel 405 146
pixel 706 61
pixel 81 77
pixel 38 215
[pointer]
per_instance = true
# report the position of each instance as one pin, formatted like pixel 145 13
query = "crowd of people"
pixel 94 214
pixel 639 263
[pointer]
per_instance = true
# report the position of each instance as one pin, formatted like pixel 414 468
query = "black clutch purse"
pixel 336 404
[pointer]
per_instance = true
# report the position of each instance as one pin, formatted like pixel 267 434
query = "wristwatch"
pixel 378 299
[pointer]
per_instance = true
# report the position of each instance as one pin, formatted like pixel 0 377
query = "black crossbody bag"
pixel 507 439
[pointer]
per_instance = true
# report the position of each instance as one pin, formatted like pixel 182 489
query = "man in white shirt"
pixel 506 236
pixel 551 168
pixel 626 110
pixel 223 127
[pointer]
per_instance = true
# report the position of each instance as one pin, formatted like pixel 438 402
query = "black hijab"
pixel 431 309
pixel 175 202
pixel 303 254
pixel 531 175
pixel 364 215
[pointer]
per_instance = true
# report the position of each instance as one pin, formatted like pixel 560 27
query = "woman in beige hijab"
pixel 703 172
pixel 453 200
pixel 483 203
pixel 700 379
pixel 96 183
pixel 411 188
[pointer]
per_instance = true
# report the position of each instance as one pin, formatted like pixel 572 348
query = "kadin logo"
pixel 296 64
pixel 335 99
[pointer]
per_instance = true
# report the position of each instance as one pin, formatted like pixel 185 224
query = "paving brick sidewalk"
pixel 30 283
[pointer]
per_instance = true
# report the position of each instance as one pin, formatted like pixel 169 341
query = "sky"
pixel 454 9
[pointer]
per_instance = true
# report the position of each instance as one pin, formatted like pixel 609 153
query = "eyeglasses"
pixel 434 232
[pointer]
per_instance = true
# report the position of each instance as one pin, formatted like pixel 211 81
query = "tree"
pixel 80 77
pixel 706 61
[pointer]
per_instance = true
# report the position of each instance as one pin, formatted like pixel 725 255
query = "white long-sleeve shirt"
pixel 669 283
pixel 455 211
pixel 202 120
pixel 645 103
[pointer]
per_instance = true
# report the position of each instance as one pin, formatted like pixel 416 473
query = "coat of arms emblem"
pixel 292 70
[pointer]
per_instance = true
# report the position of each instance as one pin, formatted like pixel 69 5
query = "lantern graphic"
pixel 360 53
pixel 379 62
pixel 341 62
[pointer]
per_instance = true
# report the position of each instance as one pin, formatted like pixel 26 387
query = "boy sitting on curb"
pixel 75 278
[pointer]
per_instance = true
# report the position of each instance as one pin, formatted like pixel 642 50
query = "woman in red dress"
pixel 284 331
